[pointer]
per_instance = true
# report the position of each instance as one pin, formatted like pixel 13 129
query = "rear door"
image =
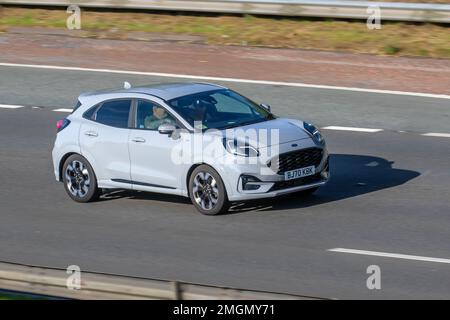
pixel 104 142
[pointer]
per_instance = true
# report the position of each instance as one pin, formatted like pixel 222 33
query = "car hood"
pixel 268 133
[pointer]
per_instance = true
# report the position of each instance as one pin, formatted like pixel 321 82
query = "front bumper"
pixel 269 189
pixel 277 193
pixel 239 177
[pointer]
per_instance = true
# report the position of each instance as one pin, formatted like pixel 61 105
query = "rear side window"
pixel 114 113
pixel 90 113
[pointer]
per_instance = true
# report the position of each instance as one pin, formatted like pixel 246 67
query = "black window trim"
pixel 76 106
pixel 100 104
pixel 133 125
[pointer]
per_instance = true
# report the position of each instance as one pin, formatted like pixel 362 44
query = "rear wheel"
pixel 79 179
pixel 207 191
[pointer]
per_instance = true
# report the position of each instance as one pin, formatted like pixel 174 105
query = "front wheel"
pixel 79 179
pixel 207 191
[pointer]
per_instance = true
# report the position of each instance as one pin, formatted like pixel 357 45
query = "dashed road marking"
pixel 390 255
pixel 337 128
pixel 10 106
pixel 352 129
pixel 436 134
pixel 63 110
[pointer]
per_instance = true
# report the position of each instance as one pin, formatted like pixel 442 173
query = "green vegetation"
pixel 429 40
pixel 16 296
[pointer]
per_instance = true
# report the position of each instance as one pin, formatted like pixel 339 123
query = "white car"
pixel 196 140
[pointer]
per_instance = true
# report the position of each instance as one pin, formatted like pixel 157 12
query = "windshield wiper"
pixel 245 123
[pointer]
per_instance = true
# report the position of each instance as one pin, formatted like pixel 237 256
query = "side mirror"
pixel 265 106
pixel 167 129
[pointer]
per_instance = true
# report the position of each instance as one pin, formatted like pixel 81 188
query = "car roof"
pixel 165 91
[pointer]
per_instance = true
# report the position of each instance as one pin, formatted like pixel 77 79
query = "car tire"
pixel 207 191
pixel 79 179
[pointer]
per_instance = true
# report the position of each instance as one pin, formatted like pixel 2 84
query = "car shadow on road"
pixel 351 176
pixel 142 195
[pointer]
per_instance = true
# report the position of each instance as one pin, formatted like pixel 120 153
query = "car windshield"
pixel 219 109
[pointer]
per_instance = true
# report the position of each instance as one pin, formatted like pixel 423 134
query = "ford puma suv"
pixel 197 140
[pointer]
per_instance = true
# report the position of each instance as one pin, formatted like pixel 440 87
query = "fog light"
pixel 326 171
pixel 250 183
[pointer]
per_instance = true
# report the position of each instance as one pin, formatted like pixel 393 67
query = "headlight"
pixel 240 148
pixel 315 133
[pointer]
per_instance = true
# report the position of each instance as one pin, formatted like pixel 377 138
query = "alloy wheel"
pixel 205 190
pixel 77 179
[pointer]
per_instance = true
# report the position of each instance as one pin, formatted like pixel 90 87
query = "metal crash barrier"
pixel 303 8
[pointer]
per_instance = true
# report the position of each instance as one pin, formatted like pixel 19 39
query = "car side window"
pixel 150 116
pixel 89 114
pixel 114 113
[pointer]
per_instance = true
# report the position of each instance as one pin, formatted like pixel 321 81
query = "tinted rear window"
pixel 114 113
pixel 90 113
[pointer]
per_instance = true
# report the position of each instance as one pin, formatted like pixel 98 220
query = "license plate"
pixel 299 173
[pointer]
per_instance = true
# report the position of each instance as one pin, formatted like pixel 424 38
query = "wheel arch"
pixel 66 156
pixel 195 165
pixel 62 161
pixel 188 175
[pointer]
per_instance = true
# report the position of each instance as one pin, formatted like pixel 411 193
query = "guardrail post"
pixel 177 294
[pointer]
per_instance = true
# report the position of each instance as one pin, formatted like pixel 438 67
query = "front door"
pixel 152 162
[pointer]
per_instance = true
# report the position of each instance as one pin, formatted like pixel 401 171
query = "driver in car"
pixel 203 109
pixel 159 117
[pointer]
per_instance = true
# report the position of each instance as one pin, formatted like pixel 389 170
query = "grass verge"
pixel 17 296
pixel 395 38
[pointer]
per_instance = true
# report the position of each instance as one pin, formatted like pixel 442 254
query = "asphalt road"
pixel 389 192
pixel 59 88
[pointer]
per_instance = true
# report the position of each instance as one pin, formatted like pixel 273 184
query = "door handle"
pixel 91 134
pixel 137 139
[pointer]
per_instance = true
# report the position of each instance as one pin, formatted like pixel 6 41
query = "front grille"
pixel 296 159
pixel 280 185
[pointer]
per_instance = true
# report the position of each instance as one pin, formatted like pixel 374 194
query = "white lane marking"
pixel 264 82
pixel 435 134
pixel 431 134
pixel 10 106
pixel 352 129
pixel 390 255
